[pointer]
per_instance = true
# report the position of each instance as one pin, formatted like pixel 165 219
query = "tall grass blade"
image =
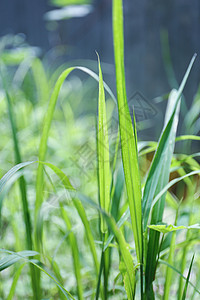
pixel 104 173
pixel 127 134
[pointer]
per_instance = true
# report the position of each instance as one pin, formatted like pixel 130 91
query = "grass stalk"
pixel 23 191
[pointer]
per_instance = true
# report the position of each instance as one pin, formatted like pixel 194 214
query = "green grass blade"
pixel 117 193
pixel 104 173
pixel 187 280
pixel 128 139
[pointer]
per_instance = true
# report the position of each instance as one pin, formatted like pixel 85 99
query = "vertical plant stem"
pixel 23 191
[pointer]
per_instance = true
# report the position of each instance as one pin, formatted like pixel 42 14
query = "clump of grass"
pixel 116 258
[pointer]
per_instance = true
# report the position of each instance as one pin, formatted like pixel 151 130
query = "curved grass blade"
pixel 187 137
pixel 11 172
pixel 13 257
pixel 170 184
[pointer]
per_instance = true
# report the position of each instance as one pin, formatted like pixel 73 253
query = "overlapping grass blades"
pixel 158 177
pixel 46 128
pixel 22 185
pixel 75 253
pixel 14 257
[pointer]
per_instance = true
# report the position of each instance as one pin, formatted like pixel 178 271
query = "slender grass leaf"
pixel 127 134
pixel 187 280
pixel 103 152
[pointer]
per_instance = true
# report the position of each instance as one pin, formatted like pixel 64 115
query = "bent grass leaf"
pixel 16 256
pixel 13 257
pixel 170 184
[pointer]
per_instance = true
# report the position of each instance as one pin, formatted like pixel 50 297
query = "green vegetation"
pixel 77 219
